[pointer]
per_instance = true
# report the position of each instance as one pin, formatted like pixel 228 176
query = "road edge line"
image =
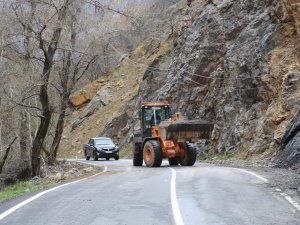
pixel 288 198
pixel 255 175
pixel 21 204
pixel 174 202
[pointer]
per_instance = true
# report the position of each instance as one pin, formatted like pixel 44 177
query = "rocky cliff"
pixel 238 66
pixel 235 63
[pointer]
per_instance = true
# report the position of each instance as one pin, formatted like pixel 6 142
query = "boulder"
pixel 81 97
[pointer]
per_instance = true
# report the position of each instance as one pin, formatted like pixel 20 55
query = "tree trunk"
pixel 24 142
pixel 2 162
pixel 58 130
pixel 49 53
pixel 64 96
pixel 44 124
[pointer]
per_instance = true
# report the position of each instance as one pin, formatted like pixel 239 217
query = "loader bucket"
pixel 191 130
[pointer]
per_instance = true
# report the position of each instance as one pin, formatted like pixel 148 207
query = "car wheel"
pixel 117 158
pixel 95 156
pixel 86 156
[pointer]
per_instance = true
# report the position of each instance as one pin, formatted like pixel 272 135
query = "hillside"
pixel 233 63
pixel 109 109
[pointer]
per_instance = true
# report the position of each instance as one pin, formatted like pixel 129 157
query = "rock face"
pixel 291 144
pixel 236 65
pixel 102 98
pixel 296 13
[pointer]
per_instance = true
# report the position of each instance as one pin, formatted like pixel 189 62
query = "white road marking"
pixel 174 202
pixel 255 175
pixel 291 201
pixel 286 197
pixel 21 204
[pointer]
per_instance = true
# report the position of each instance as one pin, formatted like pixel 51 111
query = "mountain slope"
pixel 109 111
pixel 235 63
pixel 239 70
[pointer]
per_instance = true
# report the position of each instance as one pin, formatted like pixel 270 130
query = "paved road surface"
pixel 127 195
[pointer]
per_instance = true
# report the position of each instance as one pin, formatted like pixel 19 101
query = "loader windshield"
pixel 152 116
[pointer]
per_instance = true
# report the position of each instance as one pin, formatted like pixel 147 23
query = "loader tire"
pixel 173 161
pixel 152 153
pixel 190 154
pixel 137 156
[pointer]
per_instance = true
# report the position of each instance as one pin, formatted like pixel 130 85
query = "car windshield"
pixel 103 142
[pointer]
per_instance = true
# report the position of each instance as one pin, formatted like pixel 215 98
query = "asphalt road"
pixel 199 195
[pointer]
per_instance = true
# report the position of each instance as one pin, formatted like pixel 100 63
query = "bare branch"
pixel 2 162
pixel 20 103
pixel 87 67
pixel 57 88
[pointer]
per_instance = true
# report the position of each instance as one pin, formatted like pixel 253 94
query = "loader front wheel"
pixel 137 156
pixel 190 154
pixel 152 153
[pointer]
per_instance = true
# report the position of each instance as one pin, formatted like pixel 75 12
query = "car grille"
pixel 108 149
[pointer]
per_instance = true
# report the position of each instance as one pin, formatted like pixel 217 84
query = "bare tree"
pixel 25 144
pixel 49 50
pixel 47 33
pixel 46 55
pixel 70 72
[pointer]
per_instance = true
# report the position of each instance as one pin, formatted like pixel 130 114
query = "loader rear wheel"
pixel 137 156
pixel 173 161
pixel 152 153
pixel 190 154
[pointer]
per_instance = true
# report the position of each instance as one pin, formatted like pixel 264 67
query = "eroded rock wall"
pixel 290 145
pixel 237 65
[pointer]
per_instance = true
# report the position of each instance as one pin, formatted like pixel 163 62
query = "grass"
pixel 21 188
pixel 221 156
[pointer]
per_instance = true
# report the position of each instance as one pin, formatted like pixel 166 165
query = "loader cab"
pixel 152 115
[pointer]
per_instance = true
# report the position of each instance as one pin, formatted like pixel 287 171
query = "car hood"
pixel 105 146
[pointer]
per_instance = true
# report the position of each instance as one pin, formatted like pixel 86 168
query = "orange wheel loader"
pixel 163 135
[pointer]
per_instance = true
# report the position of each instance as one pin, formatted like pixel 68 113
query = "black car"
pixel 101 147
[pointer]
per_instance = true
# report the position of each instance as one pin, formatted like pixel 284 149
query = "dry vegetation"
pixel 48 50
